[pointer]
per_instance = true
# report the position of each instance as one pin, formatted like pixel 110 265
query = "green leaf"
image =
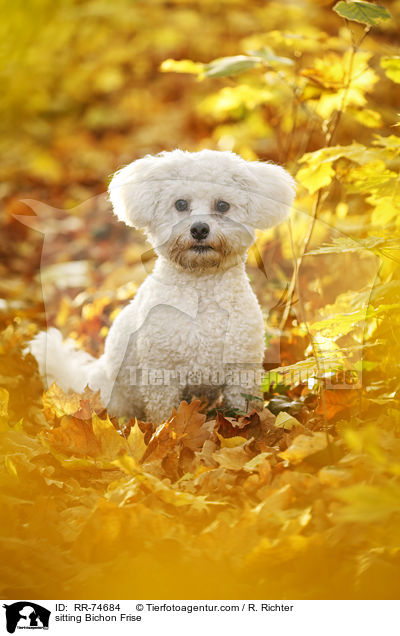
pixel 302 371
pixel 269 56
pixel 281 404
pixel 230 65
pixel 273 379
pixel 363 12
pixel 285 421
pixel 391 66
pixel 249 397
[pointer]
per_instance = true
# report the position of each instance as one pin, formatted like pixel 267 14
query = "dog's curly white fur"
pixel 195 325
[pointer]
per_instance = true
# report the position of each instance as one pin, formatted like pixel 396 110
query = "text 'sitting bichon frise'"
pixel 195 326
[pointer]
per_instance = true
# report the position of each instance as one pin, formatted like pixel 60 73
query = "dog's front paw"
pixel 240 398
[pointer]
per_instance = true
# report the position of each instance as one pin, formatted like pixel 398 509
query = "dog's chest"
pixel 172 336
pixel 202 325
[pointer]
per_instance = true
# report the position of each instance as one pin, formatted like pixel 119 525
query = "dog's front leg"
pixel 242 388
pixel 243 355
pixel 160 402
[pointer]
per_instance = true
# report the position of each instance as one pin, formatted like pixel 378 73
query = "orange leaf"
pixel 232 458
pixel 73 437
pixel 57 402
pixel 186 427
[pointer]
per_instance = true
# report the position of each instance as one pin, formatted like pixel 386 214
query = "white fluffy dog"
pixel 195 326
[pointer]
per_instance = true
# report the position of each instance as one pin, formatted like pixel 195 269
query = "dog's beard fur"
pixel 199 255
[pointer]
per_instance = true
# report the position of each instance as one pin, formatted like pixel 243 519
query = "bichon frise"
pixel 195 326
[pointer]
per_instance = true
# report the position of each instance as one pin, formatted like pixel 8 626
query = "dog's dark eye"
pixel 222 206
pixel 181 205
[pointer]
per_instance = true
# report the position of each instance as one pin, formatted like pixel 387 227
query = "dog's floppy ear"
pixel 271 194
pixel 133 193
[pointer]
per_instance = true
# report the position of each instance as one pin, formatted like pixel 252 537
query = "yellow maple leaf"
pixel 136 444
pixel 111 442
pixel 313 177
pixel 60 402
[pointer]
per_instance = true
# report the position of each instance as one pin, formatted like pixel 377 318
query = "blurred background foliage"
pixel 82 91
pixel 88 86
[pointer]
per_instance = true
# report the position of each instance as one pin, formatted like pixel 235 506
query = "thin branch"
pixel 300 258
pixel 312 342
pixel 329 141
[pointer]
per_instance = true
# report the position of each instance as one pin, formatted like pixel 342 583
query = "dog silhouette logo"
pixel 26 615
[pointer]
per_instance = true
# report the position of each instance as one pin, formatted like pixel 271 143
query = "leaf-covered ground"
pixel 255 506
pixel 300 500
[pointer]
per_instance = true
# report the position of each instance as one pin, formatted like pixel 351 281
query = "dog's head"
pixel 200 209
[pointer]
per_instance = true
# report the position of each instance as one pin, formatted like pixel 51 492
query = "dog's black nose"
pixel 200 231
